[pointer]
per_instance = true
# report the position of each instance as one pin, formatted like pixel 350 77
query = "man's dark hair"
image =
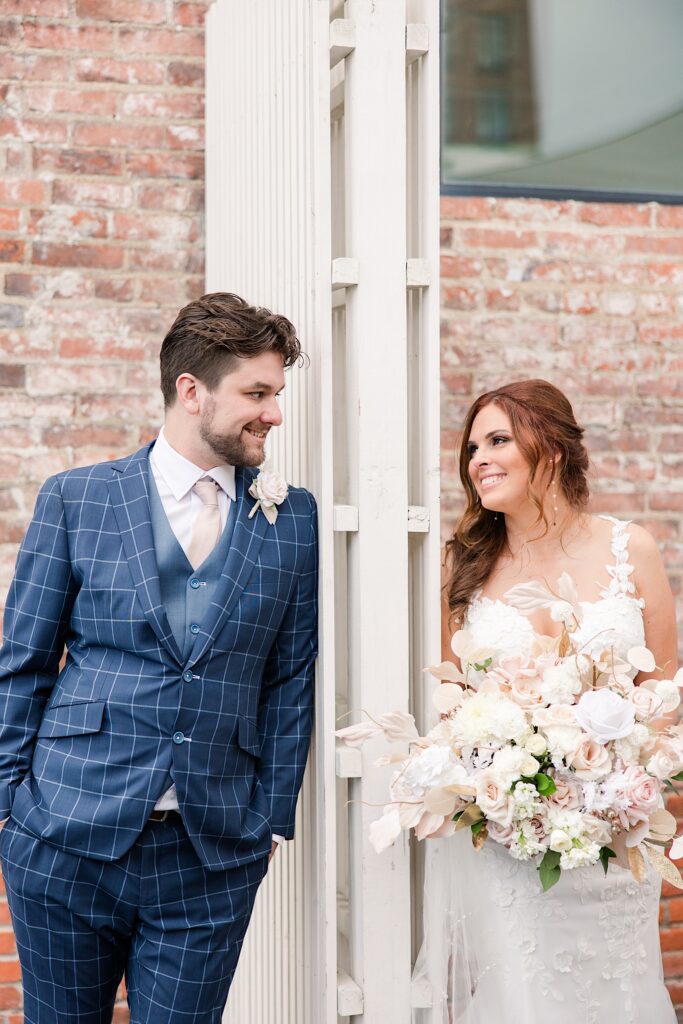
pixel 210 334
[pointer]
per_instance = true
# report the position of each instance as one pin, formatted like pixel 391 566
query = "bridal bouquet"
pixel 558 757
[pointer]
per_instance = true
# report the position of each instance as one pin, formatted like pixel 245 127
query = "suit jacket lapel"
pixel 129 495
pixel 247 538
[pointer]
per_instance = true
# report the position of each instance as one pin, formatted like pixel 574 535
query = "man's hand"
pixel 273 848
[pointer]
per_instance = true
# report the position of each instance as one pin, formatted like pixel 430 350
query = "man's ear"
pixel 186 390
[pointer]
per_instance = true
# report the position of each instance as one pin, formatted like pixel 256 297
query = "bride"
pixel 497 948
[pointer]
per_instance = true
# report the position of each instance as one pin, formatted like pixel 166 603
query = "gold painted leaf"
pixel 564 644
pixel 665 868
pixel 469 816
pixel 480 838
pixel 636 862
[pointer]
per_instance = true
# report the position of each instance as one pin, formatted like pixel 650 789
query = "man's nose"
pixel 272 413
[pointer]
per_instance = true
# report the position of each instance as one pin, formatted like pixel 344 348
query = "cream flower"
pixel 270 490
pixel 488 717
pixel 639 793
pixel 561 683
pixel 559 726
pixel 510 763
pixel 590 760
pixel 661 765
pixel 493 798
pixel 646 703
pixel 567 794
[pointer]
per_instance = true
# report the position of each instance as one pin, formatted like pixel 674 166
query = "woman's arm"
pixel 659 612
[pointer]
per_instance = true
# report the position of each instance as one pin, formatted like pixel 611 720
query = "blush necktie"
pixel 207 527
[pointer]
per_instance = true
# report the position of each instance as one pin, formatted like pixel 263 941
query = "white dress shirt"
pixel 175 476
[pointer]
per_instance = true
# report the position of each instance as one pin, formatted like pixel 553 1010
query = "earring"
pixel 553 482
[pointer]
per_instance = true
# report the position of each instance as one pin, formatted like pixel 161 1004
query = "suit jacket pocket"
pixel 72 719
pixel 247 737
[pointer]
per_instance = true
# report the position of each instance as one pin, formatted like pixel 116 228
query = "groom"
pixel 149 777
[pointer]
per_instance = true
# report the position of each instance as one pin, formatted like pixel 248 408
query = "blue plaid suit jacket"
pixel 85 752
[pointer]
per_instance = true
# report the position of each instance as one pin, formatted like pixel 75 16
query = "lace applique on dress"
pixel 620 584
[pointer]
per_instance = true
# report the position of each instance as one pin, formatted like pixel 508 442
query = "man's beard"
pixel 230 448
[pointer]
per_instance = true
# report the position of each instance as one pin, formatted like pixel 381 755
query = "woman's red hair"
pixel 544 427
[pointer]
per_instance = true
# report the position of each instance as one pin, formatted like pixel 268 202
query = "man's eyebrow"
pixel 260 385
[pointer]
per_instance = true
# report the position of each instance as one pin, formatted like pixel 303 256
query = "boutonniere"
pixel 270 490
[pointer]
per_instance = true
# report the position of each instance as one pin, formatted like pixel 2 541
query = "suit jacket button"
pixel 194 583
pixel 187 676
pixel 194 628
pixel 178 737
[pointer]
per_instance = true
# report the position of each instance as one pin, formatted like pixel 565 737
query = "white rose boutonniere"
pixel 270 490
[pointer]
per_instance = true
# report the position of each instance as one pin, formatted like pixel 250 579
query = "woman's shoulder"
pixel 643 547
pixel 640 547
pixel 640 540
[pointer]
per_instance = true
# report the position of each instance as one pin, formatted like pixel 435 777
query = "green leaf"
pixel 605 854
pixel 478 826
pixel 544 784
pixel 549 869
pixel 458 814
pixel 483 666
pixel 677 778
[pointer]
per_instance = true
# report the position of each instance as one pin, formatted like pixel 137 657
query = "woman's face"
pixel 497 468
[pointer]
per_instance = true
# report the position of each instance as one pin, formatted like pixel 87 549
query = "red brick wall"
pixel 588 296
pixel 101 241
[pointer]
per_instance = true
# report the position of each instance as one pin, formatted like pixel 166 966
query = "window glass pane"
pixel 565 94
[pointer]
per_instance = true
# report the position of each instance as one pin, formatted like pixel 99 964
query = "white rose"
pixel 559 726
pixel 560 841
pixel 271 488
pixel 661 765
pixel 536 745
pixel 604 715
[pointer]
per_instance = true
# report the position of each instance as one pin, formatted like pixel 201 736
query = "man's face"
pixel 235 418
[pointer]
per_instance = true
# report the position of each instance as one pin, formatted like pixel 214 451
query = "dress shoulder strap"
pixel 620 571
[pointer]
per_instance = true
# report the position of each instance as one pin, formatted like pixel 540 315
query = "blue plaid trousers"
pixel 82 924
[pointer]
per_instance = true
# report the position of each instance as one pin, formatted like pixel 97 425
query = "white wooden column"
pixel 377 393
pixel 268 240
pixel 322 203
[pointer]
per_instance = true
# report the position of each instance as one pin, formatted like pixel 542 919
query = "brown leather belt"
pixel 171 816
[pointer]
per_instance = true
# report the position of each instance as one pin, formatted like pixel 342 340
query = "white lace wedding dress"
pixel 497 949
